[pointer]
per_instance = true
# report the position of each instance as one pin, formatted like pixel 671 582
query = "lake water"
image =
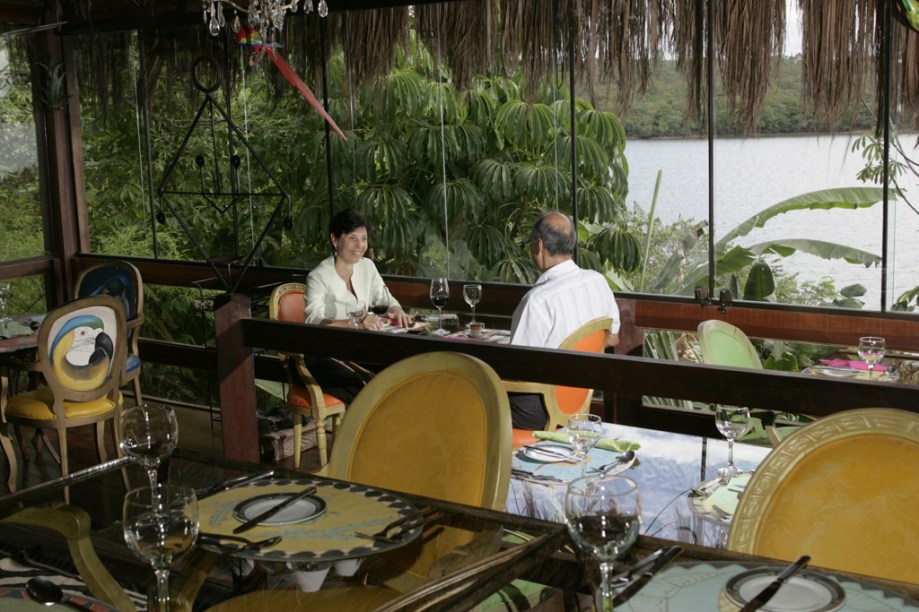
pixel 754 173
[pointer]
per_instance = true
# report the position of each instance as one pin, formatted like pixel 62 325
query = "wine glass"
pixel 159 525
pixel 584 432
pixel 603 515
pixel 732 422
pixel 440 292
pixel 6 292
pixel 357 310
pixel 472 294
pixel 380 304
pixel 871 349
pixel 149 434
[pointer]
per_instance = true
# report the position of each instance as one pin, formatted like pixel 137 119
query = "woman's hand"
pixel 399 317
pixel 372 323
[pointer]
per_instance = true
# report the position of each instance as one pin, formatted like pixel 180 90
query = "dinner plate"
pixel 803 592
pixel 553 454
pixel 305 509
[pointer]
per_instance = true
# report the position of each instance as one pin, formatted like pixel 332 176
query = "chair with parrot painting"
pixel 81 357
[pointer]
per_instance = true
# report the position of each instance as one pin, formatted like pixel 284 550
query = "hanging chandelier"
pixel 264 16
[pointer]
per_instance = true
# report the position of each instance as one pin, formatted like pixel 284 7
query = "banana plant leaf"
pixel 820 248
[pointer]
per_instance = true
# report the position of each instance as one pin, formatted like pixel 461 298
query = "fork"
pixel 624 458
pixel 246 543
pixel 402 525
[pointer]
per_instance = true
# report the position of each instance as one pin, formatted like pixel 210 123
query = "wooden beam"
pixel 236 381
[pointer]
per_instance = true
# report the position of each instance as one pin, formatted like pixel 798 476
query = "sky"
pixel 792 28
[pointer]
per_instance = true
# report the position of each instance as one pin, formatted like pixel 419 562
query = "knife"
pixel 636 585
pixel 766 594
pixel 548 451
pixel 235 482
pixel 267 514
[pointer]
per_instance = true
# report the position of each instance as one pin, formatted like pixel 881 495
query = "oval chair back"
pixel 842 490
pixel 726 345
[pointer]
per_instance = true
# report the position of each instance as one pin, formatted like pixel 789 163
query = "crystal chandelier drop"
pixel 265 16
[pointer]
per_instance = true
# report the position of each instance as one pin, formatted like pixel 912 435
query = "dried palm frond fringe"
pixel 617 41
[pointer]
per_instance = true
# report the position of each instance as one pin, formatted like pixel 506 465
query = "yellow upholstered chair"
pixel 726 345
pixel 842 490
pixel 121 280
pixel 81 355
pixel 437 425
pixel 561 401
pixel 304 395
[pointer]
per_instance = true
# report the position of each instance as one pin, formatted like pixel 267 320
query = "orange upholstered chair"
pixel 304 395
pixel 842 490
pixel 560 401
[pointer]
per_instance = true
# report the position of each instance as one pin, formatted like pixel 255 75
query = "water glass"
pixel 472 294
pixel 357 310
pixel 732 422
pixel 160 524
pixel 584 432
pixel 6 292
pixel 603 515
pixel 149 434
pixel 871 349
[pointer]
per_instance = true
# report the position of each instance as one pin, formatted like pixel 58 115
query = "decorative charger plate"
pixel 702 585
pixel 330 536
pixel 804 592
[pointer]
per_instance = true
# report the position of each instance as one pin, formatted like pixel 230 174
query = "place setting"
pixel 559 457
pixel 716 499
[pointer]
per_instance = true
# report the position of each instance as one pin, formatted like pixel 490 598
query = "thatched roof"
pixel 616 40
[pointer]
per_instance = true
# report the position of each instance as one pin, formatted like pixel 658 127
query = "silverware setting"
pixel 624 458
pixel 267 514
pixel 244 544
pixel 772 588
pixel 548 451
pixel 394 531
pixel 234 482
pixel 532 476
pixel 646 572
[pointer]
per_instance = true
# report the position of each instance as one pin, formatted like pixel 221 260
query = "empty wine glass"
pixel 357 310
pixel 732 422
pixel 472 294
pixel 871 349
pixel 584 432
pixel 159 525
pixel 603 515
pixel 440 293
pixel 6 292
pixel 149 434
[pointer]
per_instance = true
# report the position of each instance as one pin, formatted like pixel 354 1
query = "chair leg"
pixel 138 399
pixel 41 438
pixel 100 442
pixel 298 437
pixel 65 464
pixel 22 443
pixel 10 457
pixel 321 441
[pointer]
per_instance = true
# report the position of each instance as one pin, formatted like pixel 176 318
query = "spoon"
pixel 624 458
pixel 47 593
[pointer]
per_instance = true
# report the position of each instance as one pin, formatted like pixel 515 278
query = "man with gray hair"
pixel 564 298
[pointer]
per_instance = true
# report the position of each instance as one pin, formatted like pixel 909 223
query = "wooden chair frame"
pixel 321 406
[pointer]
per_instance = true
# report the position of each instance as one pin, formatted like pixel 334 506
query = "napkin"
pixel 618 446
pixel 726 497
pixel 845 363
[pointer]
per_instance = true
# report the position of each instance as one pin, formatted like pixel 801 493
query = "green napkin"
pixel 726 497
pixel 618 446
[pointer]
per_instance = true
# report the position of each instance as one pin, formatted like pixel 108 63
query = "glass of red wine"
pixel 440 293
pixel 380 303
pixel 603 515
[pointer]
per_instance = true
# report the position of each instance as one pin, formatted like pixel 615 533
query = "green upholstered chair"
pixel 726 345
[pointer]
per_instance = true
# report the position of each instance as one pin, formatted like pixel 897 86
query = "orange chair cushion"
pixel 37 405
pixel 300 397
pixel 291 307
pixel 523 437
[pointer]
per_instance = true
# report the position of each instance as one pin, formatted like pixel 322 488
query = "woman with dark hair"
pixel 347 276
pixel 334 285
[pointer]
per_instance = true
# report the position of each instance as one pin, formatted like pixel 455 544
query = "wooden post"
pixel 236 379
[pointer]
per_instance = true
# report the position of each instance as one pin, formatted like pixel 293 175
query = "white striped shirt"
pixel 564 298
